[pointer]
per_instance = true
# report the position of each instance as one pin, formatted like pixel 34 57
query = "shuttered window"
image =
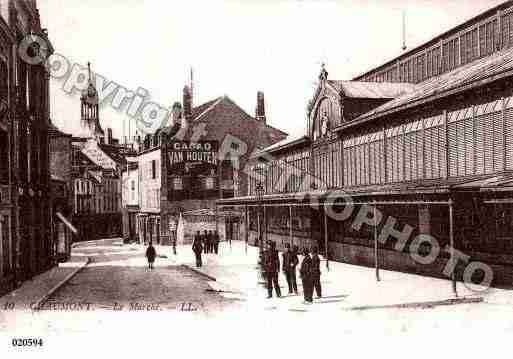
pixel 428 148
pixel 436 61
pixel 413 154
pixel 487 122
pixel 479 143
pixel 408 153
pixel 382 169
pixel 489 138
pixel 395 154
pixel 508 119
pixel 469 142
pixel 399 158
pixel 482 40
pixel 420 149
pixel 429 64
pixel 452 118
pixel 461 135
pixel 413 151
pixel 450 54
pixel 498 139
pixel 389 156
pixel 506 30
pixel 441 149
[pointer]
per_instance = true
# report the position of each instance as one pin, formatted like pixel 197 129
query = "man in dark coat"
pixel 316 272
pixel 289 264
pixel 197 248
pixel 211 239
pixel 271 269
pixel 306 276
pixel 206 241
pixel 216 242
pixel 151 253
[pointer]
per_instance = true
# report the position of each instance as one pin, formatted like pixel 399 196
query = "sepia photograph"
pixel 248 178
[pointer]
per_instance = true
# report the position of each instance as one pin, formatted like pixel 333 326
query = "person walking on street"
pixel 289 264
pixel 216 242
pixel 211 241
pixel 316 272
pixel 206 241
pixel 197 248
pixel 271 269
pixel 173 241
pixel 306 276
pixel 151 253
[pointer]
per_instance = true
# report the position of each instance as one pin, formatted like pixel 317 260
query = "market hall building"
pixel 426 139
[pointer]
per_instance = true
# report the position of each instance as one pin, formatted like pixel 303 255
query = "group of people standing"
pixel 208 242
pixel 309 270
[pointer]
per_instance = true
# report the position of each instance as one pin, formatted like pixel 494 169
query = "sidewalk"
pixel 37 288
pixel 345 286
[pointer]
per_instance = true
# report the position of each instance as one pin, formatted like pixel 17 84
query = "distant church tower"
pixel 90 119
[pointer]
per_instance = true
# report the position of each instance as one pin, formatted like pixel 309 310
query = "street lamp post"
pixel 259 191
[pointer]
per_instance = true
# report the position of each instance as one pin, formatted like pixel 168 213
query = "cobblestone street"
pixel 117 283
pixel 117 278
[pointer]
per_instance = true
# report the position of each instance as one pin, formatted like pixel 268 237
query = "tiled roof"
pixel 117 152
pixel 198 110
pixel 375 90
pixel 223 116
pixel 467 76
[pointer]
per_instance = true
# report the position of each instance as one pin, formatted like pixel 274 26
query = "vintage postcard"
pixel 238 178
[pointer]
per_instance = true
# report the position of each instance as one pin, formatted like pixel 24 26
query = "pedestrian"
pixel 197 248
pixel 151 253
pixel 173 241
pixel 306 276
pixel 316 272
pixel 216 242
pixel 211 240
pixel 206 241
pixel 289 264
pixel 271 269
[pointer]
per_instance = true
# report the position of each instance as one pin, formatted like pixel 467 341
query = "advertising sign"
pixel 185 158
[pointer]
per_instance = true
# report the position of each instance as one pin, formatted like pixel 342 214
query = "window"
pixel 153 169
pixel 4 157
pixel 132 185
pixel 209 182
pixel 177 184
pixel 4 84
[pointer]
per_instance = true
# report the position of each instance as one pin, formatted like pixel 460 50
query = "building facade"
pixel 149 178
pixel 25 207
pixel 98 160
pixel 130 199
pixel 424 140
pixel 186 166
pixel 61 191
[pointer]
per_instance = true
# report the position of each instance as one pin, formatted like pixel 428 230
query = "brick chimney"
pixel 187 102
pixel 260 107
pixel 176 113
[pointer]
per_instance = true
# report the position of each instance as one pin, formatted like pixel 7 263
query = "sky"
pixel 235 48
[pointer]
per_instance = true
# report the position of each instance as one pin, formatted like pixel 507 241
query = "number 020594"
pixel 27 342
